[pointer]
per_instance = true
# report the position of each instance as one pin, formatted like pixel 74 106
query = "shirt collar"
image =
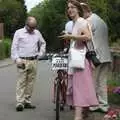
pixel 25 30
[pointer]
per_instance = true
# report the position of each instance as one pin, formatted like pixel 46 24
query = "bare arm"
pixel 83 35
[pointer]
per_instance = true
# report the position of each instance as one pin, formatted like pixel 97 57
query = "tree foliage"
pixel 12 14
pixel 114 19
pixel 51 18
pixel 109 10
pixel 50 15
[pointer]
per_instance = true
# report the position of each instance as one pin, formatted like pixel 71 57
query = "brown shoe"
pixel 85 112
pixel 29 106
pixel 19 107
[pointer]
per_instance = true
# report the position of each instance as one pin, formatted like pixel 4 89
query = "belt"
pixel 29 58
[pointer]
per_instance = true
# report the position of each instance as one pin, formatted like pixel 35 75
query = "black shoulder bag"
pixel 91 55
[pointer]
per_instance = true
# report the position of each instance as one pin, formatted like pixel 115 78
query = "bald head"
pixel 31 21
pixel 31 24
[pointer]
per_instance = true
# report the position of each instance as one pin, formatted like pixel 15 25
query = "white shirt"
pixel 69 26
pixel 26 44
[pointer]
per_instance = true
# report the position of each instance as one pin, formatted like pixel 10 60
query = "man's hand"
pixel 20 63
pixel 41 54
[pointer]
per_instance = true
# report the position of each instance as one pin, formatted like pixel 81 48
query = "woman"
pixel 83 87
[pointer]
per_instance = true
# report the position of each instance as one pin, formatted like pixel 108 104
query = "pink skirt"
pixel 83 90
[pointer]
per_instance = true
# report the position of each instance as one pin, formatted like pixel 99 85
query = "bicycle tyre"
pixel 58 101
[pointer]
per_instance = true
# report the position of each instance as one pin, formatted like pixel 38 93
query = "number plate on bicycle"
pixel 59 63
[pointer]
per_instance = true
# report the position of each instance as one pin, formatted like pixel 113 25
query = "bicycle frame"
pixel 60 88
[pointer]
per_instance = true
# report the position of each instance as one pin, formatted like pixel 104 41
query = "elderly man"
pixel 28 44
pixel 101 46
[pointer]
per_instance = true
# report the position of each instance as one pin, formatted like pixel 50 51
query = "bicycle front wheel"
pixel 58 101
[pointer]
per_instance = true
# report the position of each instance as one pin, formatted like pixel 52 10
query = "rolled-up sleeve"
pixel 42 45
pixel 14 47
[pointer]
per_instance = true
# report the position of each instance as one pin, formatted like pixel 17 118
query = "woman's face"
pixel 72 11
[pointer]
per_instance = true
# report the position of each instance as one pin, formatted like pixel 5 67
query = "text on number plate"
pixel 59 63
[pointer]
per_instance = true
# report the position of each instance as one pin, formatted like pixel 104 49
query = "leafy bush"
pixel 13 15
pixel 5 48
pixel 2 55
pixel 113 97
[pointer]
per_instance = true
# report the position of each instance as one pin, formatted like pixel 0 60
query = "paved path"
pixel 6 62
pixel 41 97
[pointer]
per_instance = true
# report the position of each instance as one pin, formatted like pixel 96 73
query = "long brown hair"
pixel 78 6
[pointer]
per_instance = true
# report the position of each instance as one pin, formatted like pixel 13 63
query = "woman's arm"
pixel 83 35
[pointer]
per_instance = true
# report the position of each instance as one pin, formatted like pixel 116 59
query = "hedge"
pixel 5 48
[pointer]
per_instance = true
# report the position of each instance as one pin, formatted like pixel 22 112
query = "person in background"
pixel 27 46
pixel 101 46
pixel 68 30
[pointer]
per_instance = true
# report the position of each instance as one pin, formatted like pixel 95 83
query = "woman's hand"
pixel 66 37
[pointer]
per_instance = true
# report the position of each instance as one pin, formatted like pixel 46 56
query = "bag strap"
pixel 86 46
pixel 90 29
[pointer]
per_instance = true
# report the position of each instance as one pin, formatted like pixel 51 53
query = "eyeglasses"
pixel 32 28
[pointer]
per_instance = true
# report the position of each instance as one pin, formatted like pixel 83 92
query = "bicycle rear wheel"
pixel 58 100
